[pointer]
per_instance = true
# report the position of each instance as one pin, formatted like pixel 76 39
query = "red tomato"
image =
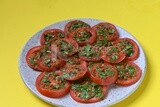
pixel 103 74
pixel 89 53
pixel 65 48
pixel 33 56
pixel 106 30
pixel 129 46
pixel 112 54
pixel 75 70
pixel 49 63
pixel 52 85
pixel 88 92
pixel 51 35
pixel 129 73
pixel 83 36
pixel 75 24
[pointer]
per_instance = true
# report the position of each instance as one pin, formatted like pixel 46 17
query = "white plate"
pixel 115 94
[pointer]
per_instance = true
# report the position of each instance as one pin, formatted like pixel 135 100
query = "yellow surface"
pixel 20 19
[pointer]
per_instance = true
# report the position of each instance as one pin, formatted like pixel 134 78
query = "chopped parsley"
pixel 102 43
pixel 48 37
pixel 88 51
pixel 82 36
pixel 104 72
pixel 47 79
pixel 112 50
pixel 77 24
pixel 88 90
pixel 127 47
pixel 125 71
pixel 113 58
pixel 104 31
pixel 65 47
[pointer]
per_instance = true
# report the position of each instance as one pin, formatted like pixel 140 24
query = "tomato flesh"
pixel 74 70
pixel 75 24
pixel 51 35
pixel 65 48
pixel 52 85
pixel 89 53
pixel 106 31
pixel 88 92
pixel 33 56
pixel 47 61
pixel 112 54
pixel 103 74
pixel 83 36
pixel 129 46
pixel 128 73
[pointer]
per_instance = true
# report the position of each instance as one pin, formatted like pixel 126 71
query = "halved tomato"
pixel 74 70
pixel 106 31
pixel 51 35
pixel 33 55
pixel 128 73
pixel 89 53
pixel 75 24
pixel 103 74
pixel 83 36
pixel 112 54
pixel 129 46
pixel 87 91
pixel 65 48
pixel 52 85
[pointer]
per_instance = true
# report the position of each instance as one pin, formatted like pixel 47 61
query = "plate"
pixel 115 94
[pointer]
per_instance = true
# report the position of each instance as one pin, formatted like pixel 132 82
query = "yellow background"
pixel 20 19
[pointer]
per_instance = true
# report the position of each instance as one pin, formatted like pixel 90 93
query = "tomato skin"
pixel 110 37
pixel 107 58
pixel 30 53
pixel 135 48
pixel 73 94
pixel 132 80
pixel 106 81
pixel 51 93
pixel 69 24
pixel 54 65
pixel 82 65
pixel 50 31
pixel 89 41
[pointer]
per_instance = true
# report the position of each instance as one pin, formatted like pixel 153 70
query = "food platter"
pixel 116 93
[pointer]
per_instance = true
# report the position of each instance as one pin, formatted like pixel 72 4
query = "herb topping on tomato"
pixel 87 91
pixel 33 56
pixel 129 46
pixel 128 73
pixel 74 69
pixel 103 74
pixel 51 35
pixel 89 53
pixel 75 24
pixel 106 31
pixel 83 36
pixel 112 54
pixel 65 48
pixel 52 85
